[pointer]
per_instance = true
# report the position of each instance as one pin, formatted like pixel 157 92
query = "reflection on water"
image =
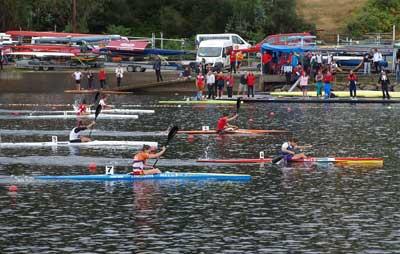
pixel 300 208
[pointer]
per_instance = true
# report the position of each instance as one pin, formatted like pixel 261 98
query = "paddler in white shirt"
pixel 75 136
pixel 103 103
pixel 288 150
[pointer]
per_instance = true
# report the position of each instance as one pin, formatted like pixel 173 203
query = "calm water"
pixel 302 209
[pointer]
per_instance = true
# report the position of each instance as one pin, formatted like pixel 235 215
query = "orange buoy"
pixel 12 188
pixel 271 113
pixel 92 167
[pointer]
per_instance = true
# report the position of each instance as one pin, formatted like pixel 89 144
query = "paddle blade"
pixel 238 102
pixel 172 132
pixel 277 159
pixel 96 97
pixel 98 110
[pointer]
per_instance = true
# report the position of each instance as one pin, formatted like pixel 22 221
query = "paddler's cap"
pixel 146 147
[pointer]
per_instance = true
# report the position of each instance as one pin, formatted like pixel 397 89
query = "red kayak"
pixel 238 131
pixel 348 160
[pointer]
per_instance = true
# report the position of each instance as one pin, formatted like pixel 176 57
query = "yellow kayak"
pixel 360 93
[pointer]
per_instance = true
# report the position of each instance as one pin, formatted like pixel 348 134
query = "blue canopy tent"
pixel 285 48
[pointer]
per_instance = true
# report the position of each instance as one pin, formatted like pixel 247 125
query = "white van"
pixel 236 40
pixel 215 52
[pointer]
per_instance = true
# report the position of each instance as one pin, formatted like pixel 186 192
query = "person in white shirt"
pixel 119 73
pixel 77 76
pixel 377 59
pixel 210 80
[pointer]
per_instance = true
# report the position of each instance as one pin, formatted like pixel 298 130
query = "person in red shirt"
pixel 102 78
pixel 232 59
pixel 82 109
pixel 352 78
pixel 328 78
pixel 223 123
pixel 200 86
pixel 139 166
pixel 251 80
pixel 266 59
pixel 230 81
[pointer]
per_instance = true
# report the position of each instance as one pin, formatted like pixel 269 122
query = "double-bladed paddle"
pixel 96 98
pixel 238 105
pixel 96 114
pixel 171 135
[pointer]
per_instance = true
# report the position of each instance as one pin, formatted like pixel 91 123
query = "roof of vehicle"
pixel 216 43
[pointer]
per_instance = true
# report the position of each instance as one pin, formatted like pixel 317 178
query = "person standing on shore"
pixel 251 80
pixel 90 78
pixel 119 73
pixel 230 81
pixel 384 82
pixel 210 80
pixel 232 58
pixel 318 79
pixel 220 81
pixel 352 78
pixel 328 79
pixel 239 59
pixel 304 83
pixel 77 75
pixel 377 59
pixel 367 63
pixel 243 84
pixel 200 86
pixel 157 69
pixel 1 59
pixel 102 78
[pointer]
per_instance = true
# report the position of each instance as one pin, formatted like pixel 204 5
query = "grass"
pixel 328 15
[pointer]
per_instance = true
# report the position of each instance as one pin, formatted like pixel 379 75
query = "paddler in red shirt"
pixel 82 109
pixel 223 123
pixel 139 166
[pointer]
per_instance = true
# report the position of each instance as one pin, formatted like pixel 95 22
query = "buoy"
pixel 15 113
pixel 271 113
pixel 13 188
pixel 190 138
pixel 289 109
pixel 251 120
pixel 389 107
pixel 92 167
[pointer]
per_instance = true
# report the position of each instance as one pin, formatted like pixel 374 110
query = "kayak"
pixel 348 160
pixel 115 110
pixel 90 91
pixel 238 131
pixel 360 93
pixel 162 176
pixel 100 143
pixel 198 102
pixel 66 116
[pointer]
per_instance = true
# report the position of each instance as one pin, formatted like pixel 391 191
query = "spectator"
pixel 304 83
pixel 367 63
pixel 319 59
pixel 398 66
pixel 220 82
pixel 243 84
pixel 1 59
pixel 319 83
pixel 90 78
pixel 384 82
pixel 200 86
pixel 328 79
pixel 352 78
pixel 233 60
pixel 77 77
pixel 185 75
pixel 266 61
pixel 210 80
pixel 119 74
pixel 239 59
pixel 102 78
pixel 157 68
pixel 287 70
pixel 230 81
pixel 377 59
pixel 251 80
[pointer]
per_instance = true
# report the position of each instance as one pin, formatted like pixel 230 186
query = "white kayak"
pixel 92 143
pixel 115 110
pixel 66 116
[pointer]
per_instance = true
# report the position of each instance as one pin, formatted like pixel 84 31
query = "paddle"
pixel 238 105
pixel 96 114
pixel 277 159
pixel 171 135
pixel 96 97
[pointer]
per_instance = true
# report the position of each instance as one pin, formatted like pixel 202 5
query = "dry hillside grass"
pixel 328 15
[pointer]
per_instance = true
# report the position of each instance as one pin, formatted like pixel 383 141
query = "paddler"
pixel 223 123
pixel 103 103
pixel 75 136
pixel 82 109
pixel 139 166
pixel 288 150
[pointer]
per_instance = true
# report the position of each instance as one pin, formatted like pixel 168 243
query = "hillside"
pixel 328 15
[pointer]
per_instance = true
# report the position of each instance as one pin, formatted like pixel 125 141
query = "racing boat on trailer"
pixel 343 160
pixel 162 176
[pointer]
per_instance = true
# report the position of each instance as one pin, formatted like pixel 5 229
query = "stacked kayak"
pixel 343 160
pixel 162 176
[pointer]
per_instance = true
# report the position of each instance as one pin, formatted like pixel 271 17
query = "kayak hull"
pixel 90 91
pixel 198 102
pixel 239 131
pixel 69 116
pixel 82 144
pixel 345 160
pixel 162 176
pixel 114 110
